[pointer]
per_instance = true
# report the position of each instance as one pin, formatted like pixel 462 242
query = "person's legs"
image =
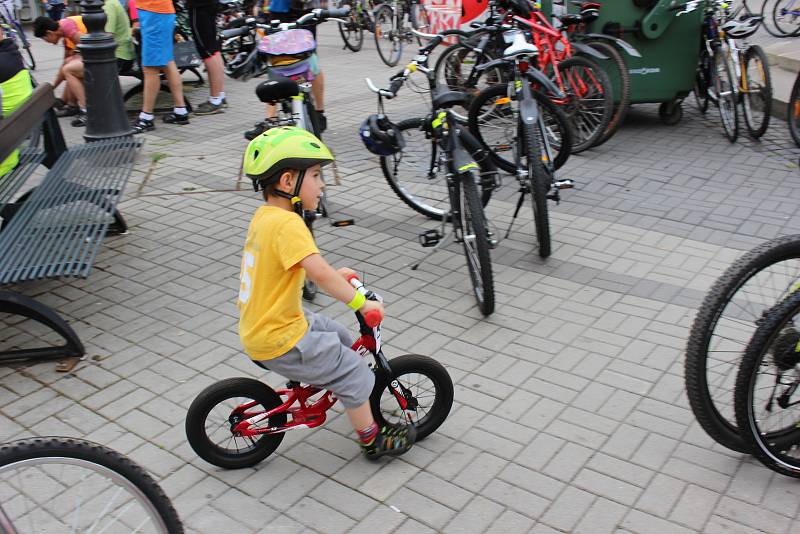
pixel 318 91
pixel 202 21
pixel 73 74
pixel 152 83
pixel 175 84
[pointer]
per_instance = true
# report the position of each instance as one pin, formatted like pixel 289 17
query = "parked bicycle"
pixel 793 111
pixel 533 157
pixel 12 28
pixel 726 321
pixel 56 484
pixel 468 180
pixel 767 392
pixel 238 422
pixel 357 22
pixel 394 21
pixel 785 17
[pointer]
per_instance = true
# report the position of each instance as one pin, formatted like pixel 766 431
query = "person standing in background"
pixel 55 8
pixel 203 21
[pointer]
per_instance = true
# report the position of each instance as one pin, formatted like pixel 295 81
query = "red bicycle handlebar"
pixel 373 317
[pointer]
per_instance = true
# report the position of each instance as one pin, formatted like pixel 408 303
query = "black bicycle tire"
pixel 755 50
pixel 539 183
pixel 354 18
pixel 390 62
pixel 731 132
pixel 209 398
pixel 765 16
pixel 581 144
pixel 80 449
pixel 701 86
pixel 752 362
pixel 701 400
pixel 783 33
pixel 441 64
pixel 487 169
pixel 472 209
pixel 620 109
pixel 413 363
pixel 793 111
pixel 567 133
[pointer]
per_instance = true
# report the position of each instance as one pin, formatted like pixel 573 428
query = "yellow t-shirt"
pixel 271 319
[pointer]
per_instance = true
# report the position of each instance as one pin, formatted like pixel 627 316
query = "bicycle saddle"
pixel 443 99
pixel 520 47
pixel 569 20
pixel 277 88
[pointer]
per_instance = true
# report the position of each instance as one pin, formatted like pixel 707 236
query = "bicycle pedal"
pixel 430 238
pixel 564 184
pixel 343 222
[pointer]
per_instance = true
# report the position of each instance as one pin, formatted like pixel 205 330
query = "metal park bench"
pixel 56 228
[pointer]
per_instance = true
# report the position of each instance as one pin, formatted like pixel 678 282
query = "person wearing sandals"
pixel 203 21
pixel 157 25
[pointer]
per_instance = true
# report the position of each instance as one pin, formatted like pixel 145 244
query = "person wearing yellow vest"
pixel 15 88
pixel 69 30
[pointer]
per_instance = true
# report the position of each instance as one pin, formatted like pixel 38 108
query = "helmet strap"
pixel 294 197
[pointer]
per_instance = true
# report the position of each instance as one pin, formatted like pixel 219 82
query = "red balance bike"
pixel 238 422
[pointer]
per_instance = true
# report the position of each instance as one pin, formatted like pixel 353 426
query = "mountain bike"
pixel 56 484
pixel 238 422
pixel 793 111
pixel 358 20
pixel 393 22
pixel 767 391
pixel 726 320
pixel 9 22
pixel 714 79
pixel 467 184
pixel 534 166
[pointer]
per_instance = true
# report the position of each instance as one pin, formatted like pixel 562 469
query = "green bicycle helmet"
pixel 282 148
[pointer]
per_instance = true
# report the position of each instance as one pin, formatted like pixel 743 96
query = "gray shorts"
pixel 323 358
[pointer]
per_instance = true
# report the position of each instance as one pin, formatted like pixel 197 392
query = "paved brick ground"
pixel 569 412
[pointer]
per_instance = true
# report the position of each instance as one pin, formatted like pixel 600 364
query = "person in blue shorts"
pixel 157 27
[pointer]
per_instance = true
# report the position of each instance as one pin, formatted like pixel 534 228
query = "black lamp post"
pixel 105 110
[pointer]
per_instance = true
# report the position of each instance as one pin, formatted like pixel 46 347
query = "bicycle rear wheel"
pixel 455 69
pixel 757 97
pixel 590 100
pixel 493 122
pixel 725 88
pixel 475 238
pixel 57 484
pixel 539 182
pixel 620 80
pixel 725 321
pixel 388 39
pixel 793 113
pixel 766 395
pixel 786 17
pixel 415 177
pixel 352 31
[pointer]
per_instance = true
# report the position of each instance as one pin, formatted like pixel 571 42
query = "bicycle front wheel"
pixel 786 17
pixel 767 390
pixel 725 89
pixel 388 38
pixel 724 324
pixel 415 175
pixel 475 238
pixel 352 31
pixel 56 484
pixel 793 113
pixel 757 91
pixel 539 182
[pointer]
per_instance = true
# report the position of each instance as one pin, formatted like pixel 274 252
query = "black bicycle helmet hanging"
pixel 381 136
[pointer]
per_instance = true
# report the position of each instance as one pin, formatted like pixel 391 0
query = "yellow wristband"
pixel 357 301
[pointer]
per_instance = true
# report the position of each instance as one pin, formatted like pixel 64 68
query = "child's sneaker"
pixel 174 118
pixel 141 125
pixel 390 441
pixel 207 108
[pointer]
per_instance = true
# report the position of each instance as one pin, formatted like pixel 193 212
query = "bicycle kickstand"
pixel 516 211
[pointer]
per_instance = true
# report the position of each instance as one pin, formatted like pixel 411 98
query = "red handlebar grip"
pixel 352 276
pixel 373 318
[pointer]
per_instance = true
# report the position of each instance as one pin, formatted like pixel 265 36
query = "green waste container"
pixel 669 46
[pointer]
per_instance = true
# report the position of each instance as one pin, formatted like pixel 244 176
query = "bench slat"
pixel 59 229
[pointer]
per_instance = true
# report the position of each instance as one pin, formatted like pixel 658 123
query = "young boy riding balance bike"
pixel 279 252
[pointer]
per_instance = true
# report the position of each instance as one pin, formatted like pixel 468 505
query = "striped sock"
pixel 367 435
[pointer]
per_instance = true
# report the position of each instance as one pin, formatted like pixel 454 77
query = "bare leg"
pixel 361 417
pixel 152 82
pixel 73 73
pixel 216 74
pixel 318 91
pixel 175 84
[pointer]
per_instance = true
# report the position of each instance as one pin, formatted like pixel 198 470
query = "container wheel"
pixel 670 112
